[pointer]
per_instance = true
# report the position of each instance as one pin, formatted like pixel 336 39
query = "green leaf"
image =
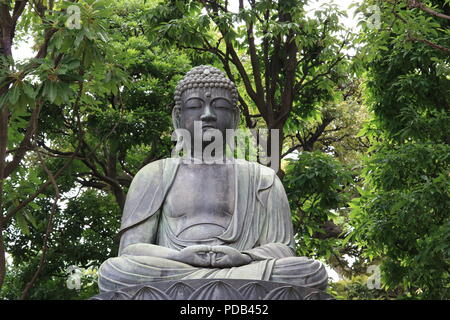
pixel 3 99
pixel 347 239
pixel 14 94
pixel 51 91
pixel 22 223
pixel 31 218
pixel 35 206
pixel 29 91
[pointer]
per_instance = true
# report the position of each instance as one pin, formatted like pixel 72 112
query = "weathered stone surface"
pixel 197 222
pixel 215 289
pixel 180 291
pixel 253 291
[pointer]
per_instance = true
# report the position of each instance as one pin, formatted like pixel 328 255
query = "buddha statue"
pixel 187 219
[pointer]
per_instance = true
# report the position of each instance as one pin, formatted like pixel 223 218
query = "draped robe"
pixel 260 227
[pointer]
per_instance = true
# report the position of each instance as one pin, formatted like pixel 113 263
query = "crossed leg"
pixel 128 270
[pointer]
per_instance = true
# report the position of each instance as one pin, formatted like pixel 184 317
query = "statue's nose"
pixel 208 114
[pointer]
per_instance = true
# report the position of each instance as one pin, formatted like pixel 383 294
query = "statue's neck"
pixel 208 157
pixel 205 154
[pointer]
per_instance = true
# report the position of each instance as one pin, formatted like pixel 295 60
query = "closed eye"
pixel 221 103
pixel 193 103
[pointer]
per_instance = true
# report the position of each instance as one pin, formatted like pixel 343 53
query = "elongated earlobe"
pixel 237 116
pixel 176 114
pixel 180 144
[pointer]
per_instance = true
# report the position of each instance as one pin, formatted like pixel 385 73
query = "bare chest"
pixel 200 202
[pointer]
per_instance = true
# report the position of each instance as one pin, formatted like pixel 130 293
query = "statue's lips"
pixel 208 126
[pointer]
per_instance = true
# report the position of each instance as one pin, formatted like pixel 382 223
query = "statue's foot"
pixel 300 271
pixel 130 270
pixel 126 270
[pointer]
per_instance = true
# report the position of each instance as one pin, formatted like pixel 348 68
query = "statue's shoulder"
pixel 149 175
pixel 153 175
pixel 147 191
pixel 262 169
pixel 266 176
pixel 155 169
pixel 151 168
pixel 265 171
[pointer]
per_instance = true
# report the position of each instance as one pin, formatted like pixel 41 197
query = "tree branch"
pixel 431 44
pixel 254 61
pixel 92 184
pixel 230 51
pixel 12 211
pixel 18 10
pixel 44 249
pixel 290 150
pixel 244 107
pixel 42 52
pixel 25 145
pixel 4 115
pixel 421 6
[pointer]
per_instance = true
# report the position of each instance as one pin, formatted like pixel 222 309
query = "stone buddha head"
pixel 206 96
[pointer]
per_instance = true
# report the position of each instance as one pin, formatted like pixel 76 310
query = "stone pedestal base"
pixel 215 289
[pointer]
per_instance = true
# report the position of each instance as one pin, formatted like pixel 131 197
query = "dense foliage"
pixel 402 216
pixel 364 121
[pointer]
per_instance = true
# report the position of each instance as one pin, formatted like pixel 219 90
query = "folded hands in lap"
pixel 212 256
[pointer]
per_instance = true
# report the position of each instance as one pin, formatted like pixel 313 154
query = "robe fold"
pixel 260 227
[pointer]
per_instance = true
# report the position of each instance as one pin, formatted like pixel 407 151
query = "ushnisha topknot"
pixel 204 76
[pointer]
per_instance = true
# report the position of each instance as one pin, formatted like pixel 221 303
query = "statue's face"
pixel 212 106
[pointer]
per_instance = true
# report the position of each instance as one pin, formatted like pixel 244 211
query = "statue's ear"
pixel 237 116
pixel 176 114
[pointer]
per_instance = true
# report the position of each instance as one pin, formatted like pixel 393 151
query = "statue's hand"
pixel 225 257
pixel 197 256
pixel 211 257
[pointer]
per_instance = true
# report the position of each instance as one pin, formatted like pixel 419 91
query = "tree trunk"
pixel 2 255
pixel 4 116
